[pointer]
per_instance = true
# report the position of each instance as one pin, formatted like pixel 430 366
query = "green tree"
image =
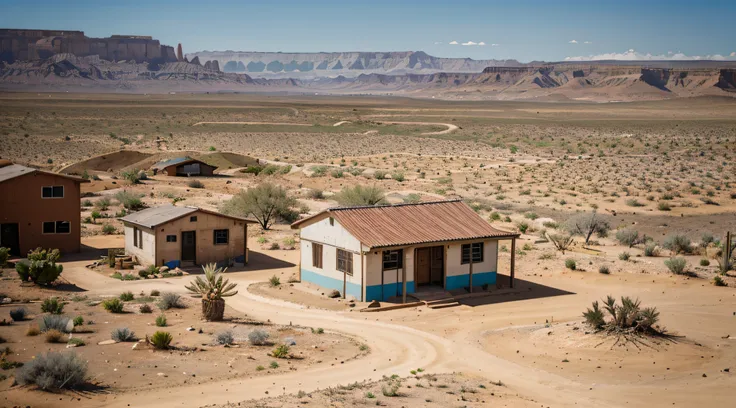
pixel 265 203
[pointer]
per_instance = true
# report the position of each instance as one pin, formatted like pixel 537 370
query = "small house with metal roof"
pixel 382 252
pixel 184 167
pixel 172 236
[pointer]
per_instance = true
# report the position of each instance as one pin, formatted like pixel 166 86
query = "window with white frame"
pixel 393 260
pixel 52 192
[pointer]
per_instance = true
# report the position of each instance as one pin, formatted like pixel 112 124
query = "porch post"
pixel 245 247
pixel 403 276
pixel 471 267
pixel 513 262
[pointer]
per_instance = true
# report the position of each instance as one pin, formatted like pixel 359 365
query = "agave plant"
pixel 213 288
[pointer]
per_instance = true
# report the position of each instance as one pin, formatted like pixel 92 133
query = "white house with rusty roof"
pixel 381 252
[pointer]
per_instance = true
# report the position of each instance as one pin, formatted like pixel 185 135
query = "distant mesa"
pixel 179 53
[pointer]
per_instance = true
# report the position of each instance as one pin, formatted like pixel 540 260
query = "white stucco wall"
pixel 145 255
pixel 334 235
pixel 329 276
pixel 374 266
pixel 489 264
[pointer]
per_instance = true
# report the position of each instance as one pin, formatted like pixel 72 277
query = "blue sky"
pixel 524 30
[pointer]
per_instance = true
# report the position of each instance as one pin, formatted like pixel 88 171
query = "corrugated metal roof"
pixel 151 217
pixel 409 224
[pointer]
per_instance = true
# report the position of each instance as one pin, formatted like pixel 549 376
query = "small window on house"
pixel 135 237
pixel 222 237
pixel 393 260
pixel 49 227
pixel 193 218
pixel 52 192
pixel 332 221
pixel 477 253
pixel 63 227
pixel 140 239
pixel 171 238
pixel 345 262
pixel 317 255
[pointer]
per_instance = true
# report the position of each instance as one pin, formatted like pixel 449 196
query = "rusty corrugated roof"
pixel 409 224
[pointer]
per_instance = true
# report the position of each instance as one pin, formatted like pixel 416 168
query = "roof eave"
pixel 490 238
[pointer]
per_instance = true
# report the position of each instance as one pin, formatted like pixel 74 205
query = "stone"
pixel 374 304
pixel 106 342
pixel 190 328
pixel 163 269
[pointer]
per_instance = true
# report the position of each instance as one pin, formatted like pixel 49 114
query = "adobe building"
pixel 172 236
pixel 38 209
pixel 184 167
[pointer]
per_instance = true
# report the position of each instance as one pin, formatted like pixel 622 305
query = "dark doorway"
pixel 10 238
pixel 189 246
pixel 430 266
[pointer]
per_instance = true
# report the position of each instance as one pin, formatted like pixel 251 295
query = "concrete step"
pixel 439 301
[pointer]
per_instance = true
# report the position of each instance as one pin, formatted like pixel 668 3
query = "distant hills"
pixel 348 64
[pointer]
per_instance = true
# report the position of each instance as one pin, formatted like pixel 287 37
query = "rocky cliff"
pixel 29 45
pixel 349 64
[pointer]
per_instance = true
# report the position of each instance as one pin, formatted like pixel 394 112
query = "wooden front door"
pixel 424 266
pixel 189 246
pixel 10 238
pixel 438 265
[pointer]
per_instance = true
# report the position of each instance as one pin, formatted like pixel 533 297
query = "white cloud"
pixel 437 42
pixel 632 55
pixel 453 42
pixel 470 43
pixel 572 42
pixel 588 42
pixel 481 43
pixel 494 45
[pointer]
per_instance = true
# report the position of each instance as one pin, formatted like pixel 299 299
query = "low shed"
pixel 171 235
pixel 376 253
pixel 185 167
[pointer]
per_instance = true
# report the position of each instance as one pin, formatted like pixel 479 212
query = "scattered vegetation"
pixel 361 195
pixel 53 371
pixel 41 267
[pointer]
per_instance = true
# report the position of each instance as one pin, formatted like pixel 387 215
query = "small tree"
pixel 212 289
pixel 41 267
pixel 4 255
pixel 265 202
pixel 587 224
pixel 679 244
pixel 676 265
pixel 361 195
pixel 630 237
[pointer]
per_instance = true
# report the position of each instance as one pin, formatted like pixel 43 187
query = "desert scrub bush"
pixel 624 256
pixel 78 321
pixel 495 216
pixel 281 351
pixel 76 342
pixel 129 200
pixel 19 314
pixel 629 237
pixel 53 371
pixel 32 331
pixel 52 305
pixel 361 195
pixel 570 264
pixel 562 242
pixel 627 317
pixel 161 340
pixel 4 255
pixel 704 262
pixel 398 176
pixel 391 387
pixel 289 243
pixel 225 337
pixel 650 250
pixel 161 321
pixel 109 229
pixel 676 265
pixel 718 281
pixel 316 194
pixel 594 316
pixel 604 269
pixel 132 176
pixel 318 330
pixel 664 206
pixel 633 202
pixel 103 204
pixel 274 365
pixel 41 267
pixel 195 184
pixel 523 226
pixel 155 293
pixel 145 308
pixel 170 300
pixel 127 296
pixel 122 334
pixel 678 244
pixel 258 337
pixel 587 224
pixel 274 281
pixel 337 173
pixel 53 336
pixel 379 175
pixel 55 322
pixel 113 305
